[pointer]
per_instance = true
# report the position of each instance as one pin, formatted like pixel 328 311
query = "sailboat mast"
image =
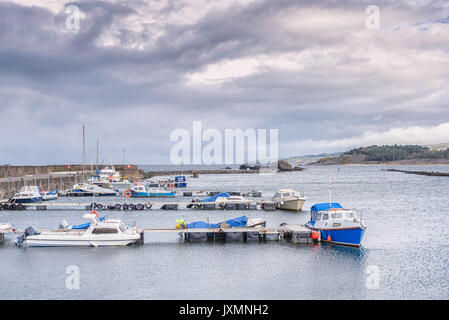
pixel 84 150
pixel 96 167
pixel 330 192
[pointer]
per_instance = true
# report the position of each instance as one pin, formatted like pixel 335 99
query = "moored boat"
pixel 27 194
pixel 143 191
pixel 49 195
pixel 86 189
pixel 107 232
pixel 288 199
pixel 336 224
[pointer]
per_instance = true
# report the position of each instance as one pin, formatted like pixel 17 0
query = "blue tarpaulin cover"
pixel 233 223
pixel 325 206
pixel 213 198
pixel 84 225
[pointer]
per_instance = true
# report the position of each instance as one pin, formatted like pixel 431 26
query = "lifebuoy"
pixel 172 186
pixel 127 193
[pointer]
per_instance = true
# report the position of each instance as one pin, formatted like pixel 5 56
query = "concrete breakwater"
pixel 51 177
pixel 151 174
pixel 422 173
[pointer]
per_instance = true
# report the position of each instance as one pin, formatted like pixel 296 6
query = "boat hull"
pixel 28 200
pixel 152 194
pixel 78 241
pixel 90 194
pixel 344 236
pixel 291 205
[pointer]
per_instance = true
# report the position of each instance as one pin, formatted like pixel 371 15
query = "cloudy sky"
pixel 137 70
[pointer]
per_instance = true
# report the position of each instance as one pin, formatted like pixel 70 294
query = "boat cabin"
pixel 331 214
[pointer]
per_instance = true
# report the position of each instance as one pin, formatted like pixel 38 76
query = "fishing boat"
pixel 336 225
pixel 288 199
pixel 143 191
pixel 86 189
pixel 49 195
pixel 108 232
pixel 27 194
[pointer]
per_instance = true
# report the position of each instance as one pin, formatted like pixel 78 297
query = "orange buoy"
pixel 127 193
pixel 315 235
pixel 329 238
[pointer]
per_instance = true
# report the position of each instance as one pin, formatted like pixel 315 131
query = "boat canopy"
pixel 322 207
pixel 233 223
pixel 325 206
pixel 84 225
pixel 213 198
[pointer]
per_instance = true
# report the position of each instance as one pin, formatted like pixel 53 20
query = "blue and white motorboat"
pixel 27 194
pixel 143 191
pixel 49 195
pixel 336 225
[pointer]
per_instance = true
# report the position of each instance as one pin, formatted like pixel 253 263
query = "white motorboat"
pixel 222 202
pixel 107 232
pixel 86 189
pixel 27 194
pixel 49 195
pixel 288 199
pixel 108 177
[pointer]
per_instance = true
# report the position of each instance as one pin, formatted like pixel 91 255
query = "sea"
pixel 404 253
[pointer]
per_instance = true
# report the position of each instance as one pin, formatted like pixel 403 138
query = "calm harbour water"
pixel 405 242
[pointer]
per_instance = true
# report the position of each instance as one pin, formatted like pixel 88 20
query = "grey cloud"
pixel 121 92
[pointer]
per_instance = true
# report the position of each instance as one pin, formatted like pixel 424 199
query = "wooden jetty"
pixel 297 234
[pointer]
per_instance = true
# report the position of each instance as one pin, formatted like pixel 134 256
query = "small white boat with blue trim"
pixel 143 191
pixel 27 194
pixel 49 195
pixel 88 190
pixel 336 225
pixel 98 232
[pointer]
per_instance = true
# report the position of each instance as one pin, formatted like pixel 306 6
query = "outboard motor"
pixel 28 232
pixel 63 225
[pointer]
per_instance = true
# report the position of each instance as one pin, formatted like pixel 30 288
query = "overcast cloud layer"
pixel 136 70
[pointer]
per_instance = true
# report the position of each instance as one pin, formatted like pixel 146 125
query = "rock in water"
pixel 284 166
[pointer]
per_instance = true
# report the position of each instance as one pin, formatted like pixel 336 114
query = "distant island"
pixel 390 154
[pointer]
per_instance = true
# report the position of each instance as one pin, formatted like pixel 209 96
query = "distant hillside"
pixel 407 154
pixel 307 159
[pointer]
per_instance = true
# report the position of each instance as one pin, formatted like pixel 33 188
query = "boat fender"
pixel 139 206
pixel 315 235
pixel 12 206
pixel 125 207
pixel 148 205
pixel 117 206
